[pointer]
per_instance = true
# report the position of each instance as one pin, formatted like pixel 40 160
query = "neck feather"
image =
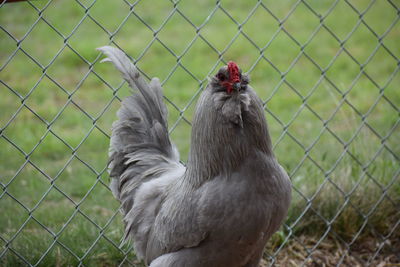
pixel 219 147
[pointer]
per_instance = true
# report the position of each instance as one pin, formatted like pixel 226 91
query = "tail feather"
pixel 140 148
pixel 152 96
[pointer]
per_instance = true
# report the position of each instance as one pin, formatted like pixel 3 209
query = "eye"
pixel 221 77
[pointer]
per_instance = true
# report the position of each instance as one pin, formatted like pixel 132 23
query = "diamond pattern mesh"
pixel 328 74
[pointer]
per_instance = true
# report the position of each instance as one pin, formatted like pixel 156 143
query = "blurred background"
pixel 327 71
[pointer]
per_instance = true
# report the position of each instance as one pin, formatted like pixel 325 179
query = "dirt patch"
pixel 306 251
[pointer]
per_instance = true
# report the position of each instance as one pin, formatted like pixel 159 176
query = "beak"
pixel 236 86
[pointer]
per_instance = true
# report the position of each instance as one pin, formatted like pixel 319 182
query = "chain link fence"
pixel 327 72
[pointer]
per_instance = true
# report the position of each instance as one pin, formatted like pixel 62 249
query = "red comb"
pixel 233 70
pixel 234 76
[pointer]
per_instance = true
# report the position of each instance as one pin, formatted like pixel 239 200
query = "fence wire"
pixel 105 225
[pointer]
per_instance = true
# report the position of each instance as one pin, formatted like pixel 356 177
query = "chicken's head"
pixel 230 93
pixel 230 78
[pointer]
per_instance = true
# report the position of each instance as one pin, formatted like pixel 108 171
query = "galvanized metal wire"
pixel 263 57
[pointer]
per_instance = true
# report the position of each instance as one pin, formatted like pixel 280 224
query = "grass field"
pixel 332 103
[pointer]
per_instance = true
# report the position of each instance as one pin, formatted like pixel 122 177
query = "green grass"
pixel 356 179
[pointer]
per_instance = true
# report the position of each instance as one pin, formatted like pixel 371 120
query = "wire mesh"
pixel 95 119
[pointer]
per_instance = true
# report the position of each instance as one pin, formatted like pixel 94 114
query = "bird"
pixel 222 206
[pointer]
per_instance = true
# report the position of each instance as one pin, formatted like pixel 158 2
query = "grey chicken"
pixel 219 210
